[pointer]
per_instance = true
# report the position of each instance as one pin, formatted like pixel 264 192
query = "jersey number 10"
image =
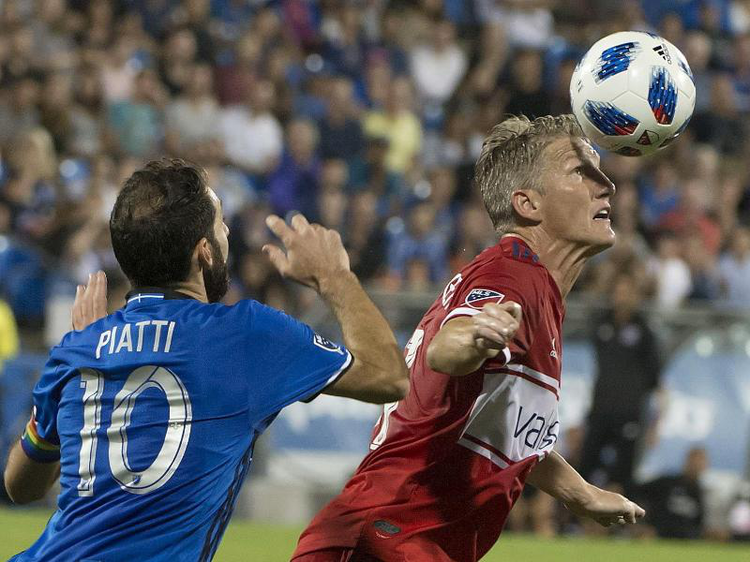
pixel 175 441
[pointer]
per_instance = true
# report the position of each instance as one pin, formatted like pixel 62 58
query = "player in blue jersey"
pixel 149 415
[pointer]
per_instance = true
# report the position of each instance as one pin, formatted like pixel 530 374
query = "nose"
pixel 607 187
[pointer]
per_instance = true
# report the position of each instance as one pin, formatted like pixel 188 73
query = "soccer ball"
pixel 633 93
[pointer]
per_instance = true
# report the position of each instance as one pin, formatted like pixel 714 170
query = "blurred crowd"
pixel 365 115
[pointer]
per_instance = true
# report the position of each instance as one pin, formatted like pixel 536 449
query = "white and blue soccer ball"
pixel 633 93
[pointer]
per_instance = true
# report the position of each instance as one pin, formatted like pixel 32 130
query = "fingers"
pixel 501 310
pixel 505 326
pixel 99 295
pixel 90 303
pixel 629 515
pixel 485 338
pixel 76 310
pixel 619 520
pixel 310 253
pixel 640 513
pixel 88 298
pixel 278 258
pixel 299 222
pixel 495 325
pixel 280 228
pixel 637 512
pixel 284 232
pixel 512 308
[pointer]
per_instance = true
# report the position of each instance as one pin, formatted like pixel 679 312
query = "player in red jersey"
pixel 447 463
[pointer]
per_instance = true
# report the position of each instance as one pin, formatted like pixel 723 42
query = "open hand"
pixel 91 301
pixel 314 254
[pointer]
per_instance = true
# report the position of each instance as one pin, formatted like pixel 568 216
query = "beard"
pixel 216 277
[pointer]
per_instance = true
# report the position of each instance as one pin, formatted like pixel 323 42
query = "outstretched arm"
pixel 560 480
pixel 463 344
pixel 316 257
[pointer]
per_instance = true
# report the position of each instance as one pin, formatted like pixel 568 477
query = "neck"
pixel 563 259
pixel 191 287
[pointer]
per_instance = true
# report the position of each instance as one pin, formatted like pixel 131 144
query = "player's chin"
pixel 598 242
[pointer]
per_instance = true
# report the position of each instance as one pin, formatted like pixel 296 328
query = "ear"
pixel 527 203
pixel 202 255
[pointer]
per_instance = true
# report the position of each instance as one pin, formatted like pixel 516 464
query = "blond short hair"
pixel 510 160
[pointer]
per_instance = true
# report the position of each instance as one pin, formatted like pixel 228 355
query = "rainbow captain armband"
pixel 35 447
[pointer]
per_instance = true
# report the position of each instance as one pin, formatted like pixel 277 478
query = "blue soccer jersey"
pixel 153 412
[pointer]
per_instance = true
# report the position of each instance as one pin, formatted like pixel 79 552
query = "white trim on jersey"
pixel 486 453
pixel 332 379
pixel 506 353
pixel 140 296
pixel 460 311
pixel 529 372
pixel 338 373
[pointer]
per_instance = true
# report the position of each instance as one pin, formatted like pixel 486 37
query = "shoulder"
pixel 244 308
pixel 497 277
pixel 524 278
pixel 80 338
pixel 254 314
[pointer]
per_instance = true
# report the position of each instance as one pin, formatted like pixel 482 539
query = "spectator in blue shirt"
pixel 138 123
pixel 340 131
pixel 293 186
pixel 659 194
pixel 734 270
pixel 419 240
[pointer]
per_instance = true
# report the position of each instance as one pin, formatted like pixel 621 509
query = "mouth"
pixel 603 214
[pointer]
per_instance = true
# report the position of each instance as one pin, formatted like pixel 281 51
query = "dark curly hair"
pixel 162 212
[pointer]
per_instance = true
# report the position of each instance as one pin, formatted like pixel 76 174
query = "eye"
pixel 579 170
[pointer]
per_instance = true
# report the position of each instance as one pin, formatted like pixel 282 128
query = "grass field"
pixel 253 542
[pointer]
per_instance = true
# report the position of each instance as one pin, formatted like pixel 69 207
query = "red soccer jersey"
pixel 447 463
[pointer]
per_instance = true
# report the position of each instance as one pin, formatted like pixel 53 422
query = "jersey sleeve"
pixel 295 363
pixel 490 286
pixel 40 440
